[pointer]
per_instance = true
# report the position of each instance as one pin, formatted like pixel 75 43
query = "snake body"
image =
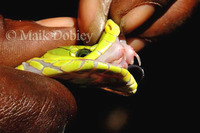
pixel 78 65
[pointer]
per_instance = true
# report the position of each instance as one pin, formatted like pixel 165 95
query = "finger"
pixel 92 16
pixel 136 43
pixel 33 103
pixel 134 17
pixel 22 40
pixel 174 17
pixel 119 8
pixel 132 14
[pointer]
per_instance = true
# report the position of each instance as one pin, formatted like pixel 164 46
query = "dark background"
pixel 165 97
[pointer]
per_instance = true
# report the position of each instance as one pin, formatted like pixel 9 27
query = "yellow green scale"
pixel 63 62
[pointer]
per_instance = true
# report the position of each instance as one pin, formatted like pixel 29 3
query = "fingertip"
pixel 136 43
pixel 58 22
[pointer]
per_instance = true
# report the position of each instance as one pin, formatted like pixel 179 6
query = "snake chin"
pixel 120 54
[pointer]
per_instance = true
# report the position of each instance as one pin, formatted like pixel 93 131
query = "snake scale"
pixel 77 64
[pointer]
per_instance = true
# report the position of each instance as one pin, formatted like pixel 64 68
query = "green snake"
pixel 78 65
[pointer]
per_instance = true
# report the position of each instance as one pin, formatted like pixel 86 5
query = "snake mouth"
pixel 120 54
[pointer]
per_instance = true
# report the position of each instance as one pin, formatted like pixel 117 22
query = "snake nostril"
pixel 110 27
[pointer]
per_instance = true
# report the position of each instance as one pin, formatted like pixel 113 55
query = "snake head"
pixel 103 65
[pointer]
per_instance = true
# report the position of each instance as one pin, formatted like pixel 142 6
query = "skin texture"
pixel 33 103
pixel 29 101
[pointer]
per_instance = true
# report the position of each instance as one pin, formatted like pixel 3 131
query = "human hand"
pixel 30 102
pixel 142 21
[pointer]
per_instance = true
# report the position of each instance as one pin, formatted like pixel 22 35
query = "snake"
pixel 78 65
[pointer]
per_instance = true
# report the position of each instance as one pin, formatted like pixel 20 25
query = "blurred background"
pixel 163 101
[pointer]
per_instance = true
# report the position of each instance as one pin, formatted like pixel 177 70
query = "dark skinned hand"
pixel 33 103
pixel 30 102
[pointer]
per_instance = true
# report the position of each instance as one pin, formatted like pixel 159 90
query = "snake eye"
pixel 82 52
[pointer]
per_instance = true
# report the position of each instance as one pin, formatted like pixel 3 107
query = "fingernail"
pixel 136 17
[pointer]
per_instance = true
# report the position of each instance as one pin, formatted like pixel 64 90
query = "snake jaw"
pixel 120 54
